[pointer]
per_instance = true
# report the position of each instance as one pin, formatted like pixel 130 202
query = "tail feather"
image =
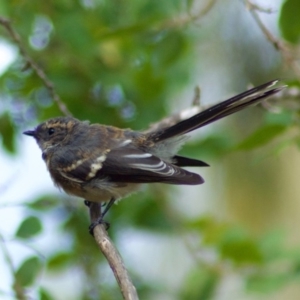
pixel 182 161
pixel 218 111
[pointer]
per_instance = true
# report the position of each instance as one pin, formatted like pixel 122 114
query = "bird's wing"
pixel 130 164
pixel 126 163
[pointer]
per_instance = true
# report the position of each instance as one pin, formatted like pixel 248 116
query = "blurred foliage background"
pixel 129 64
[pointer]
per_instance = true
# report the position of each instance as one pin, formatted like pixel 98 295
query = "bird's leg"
pixel 108 206
pixel 100 219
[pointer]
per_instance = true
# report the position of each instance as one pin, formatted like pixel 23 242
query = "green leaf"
pixel 44 203
pixel 29 227
pixel 144 213
pixel 212 231
pixel 266 283
pixel 271 245
pixel 285 117
pixel 289 20
pixel 200 284
pixel 7 132
pixel 28 271
pixel 261 137
pixel 212 146
pixel 164 54
pixel 45 295
pixel 59 260
pixel 3 8
pixel 240 249
pixel 233 243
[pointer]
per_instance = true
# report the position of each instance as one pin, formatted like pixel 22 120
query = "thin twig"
pixel 179 22
pixel 197 96
pixel 252 6
pixel 112 255
pixel 279 45
pixel 19 291
pixel 31 63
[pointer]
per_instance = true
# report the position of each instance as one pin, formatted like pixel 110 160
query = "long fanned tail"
pixel 218 111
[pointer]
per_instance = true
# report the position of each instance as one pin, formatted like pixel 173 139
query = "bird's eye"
pixel 51 131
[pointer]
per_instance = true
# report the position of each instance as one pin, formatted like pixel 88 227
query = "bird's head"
pixel 53 132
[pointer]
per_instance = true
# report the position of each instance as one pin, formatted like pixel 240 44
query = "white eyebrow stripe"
pixel 144 155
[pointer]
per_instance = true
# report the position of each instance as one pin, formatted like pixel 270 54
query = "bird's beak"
pixel 30 132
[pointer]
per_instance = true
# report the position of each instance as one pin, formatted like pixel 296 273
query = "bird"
pixel 103 164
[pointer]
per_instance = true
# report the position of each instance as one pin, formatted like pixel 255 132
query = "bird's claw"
pixel 97 222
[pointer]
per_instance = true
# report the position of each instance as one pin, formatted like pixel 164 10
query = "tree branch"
pixel 31 63
pixel 287 54
pixel 112 255
pixel 191 17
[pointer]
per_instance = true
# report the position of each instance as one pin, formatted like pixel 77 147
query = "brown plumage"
pixel 100 163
